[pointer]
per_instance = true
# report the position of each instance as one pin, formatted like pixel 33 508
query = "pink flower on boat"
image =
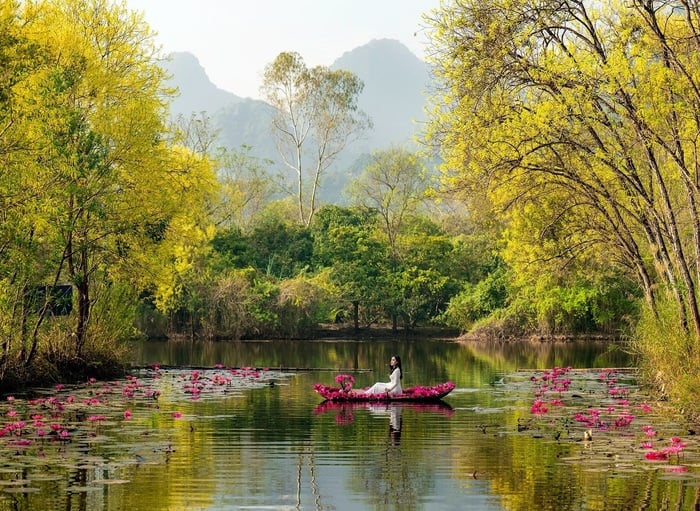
pixel 177 415
pixel 127 414
pixel 346 381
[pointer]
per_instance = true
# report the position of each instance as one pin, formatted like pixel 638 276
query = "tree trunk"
pixel 356 314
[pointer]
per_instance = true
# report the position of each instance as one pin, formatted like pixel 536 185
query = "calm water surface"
pixel 275 445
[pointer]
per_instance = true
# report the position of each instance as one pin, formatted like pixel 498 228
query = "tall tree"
pixel 246 186
pixel 316 117
pixel 344 241
pixel 580 120
pixel 93 189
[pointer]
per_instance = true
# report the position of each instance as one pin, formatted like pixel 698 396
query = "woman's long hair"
pixel 398 364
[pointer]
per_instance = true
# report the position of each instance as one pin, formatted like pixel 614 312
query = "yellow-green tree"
pixel 95 196
pixel 579 119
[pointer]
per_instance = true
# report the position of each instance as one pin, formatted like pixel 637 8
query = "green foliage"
pixel 151 225
pixel 393 185
pixel 301 306
pixel 263 299
pixel 274 248
pixel 92 196
pixel 477 301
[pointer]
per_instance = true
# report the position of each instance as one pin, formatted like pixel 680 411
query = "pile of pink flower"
pixel 430 392
pixel 346 381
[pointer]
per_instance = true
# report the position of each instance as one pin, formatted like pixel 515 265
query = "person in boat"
pixel 395 376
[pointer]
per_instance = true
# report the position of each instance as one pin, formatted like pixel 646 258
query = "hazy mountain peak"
pixel 391 47
pixel 197 93
pixel 395 81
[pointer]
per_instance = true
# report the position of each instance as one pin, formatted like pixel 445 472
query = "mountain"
pixel 196 92
pixel 395 81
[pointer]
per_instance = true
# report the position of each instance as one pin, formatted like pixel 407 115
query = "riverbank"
pixel 330 332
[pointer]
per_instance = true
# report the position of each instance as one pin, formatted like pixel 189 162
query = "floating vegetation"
pixel 90 427
pixel 619 429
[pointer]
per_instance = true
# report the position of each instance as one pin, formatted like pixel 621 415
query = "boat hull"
pixel 411 394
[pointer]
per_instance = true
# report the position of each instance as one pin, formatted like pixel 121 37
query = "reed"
pixel 668 359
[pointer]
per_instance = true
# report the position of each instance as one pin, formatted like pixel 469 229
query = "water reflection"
pixel 345 412
pixel 425 362
pixel 279 447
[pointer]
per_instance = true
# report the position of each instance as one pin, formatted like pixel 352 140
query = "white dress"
pixel 393 387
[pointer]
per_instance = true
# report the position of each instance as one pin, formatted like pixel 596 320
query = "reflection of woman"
pixel 394 385
pixel 395 424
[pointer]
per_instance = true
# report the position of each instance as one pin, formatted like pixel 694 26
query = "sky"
pixel 234 39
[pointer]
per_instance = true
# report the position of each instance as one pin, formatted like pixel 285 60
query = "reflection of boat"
pixel 379 407
pixel 411 394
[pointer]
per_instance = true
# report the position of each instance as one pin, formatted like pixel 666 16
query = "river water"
pixel 236 425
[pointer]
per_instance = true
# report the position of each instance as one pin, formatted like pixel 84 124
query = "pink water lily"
pixel 539 407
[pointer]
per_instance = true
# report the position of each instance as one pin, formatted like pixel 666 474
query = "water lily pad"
pixel 82 489
pixel 110 481
pixel 15 482
pixel 23 489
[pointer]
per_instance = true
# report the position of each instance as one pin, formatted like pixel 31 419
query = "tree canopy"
pixel 579 119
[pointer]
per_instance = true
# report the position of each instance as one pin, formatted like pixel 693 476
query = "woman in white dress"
pixel 394 385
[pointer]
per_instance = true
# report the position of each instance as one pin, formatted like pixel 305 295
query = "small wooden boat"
pixel 412 394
